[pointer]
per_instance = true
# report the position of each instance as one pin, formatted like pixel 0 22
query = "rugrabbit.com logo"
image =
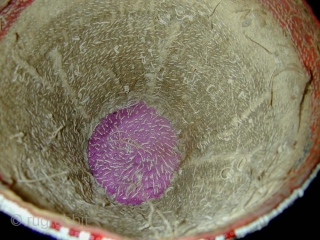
pixel 38 222
pixel 17 220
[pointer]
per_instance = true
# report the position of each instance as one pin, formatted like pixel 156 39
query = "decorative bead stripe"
pixel 264 220
pixel 287 16
pixel 11 13
pixel 291 17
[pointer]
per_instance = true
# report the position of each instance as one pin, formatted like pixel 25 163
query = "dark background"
pixel 301 220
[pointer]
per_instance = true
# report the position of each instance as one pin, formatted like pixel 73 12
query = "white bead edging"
pixel 220 238
pixel 264 220
pixel 21 216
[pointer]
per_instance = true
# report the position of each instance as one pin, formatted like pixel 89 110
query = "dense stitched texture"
pixel 132 153
pixel 223 74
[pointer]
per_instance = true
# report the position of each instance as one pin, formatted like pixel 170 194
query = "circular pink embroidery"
pixel 133 153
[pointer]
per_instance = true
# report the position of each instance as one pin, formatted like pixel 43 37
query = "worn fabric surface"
pixel 222 72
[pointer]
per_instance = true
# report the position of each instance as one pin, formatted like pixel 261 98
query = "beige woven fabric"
pixel 223 72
